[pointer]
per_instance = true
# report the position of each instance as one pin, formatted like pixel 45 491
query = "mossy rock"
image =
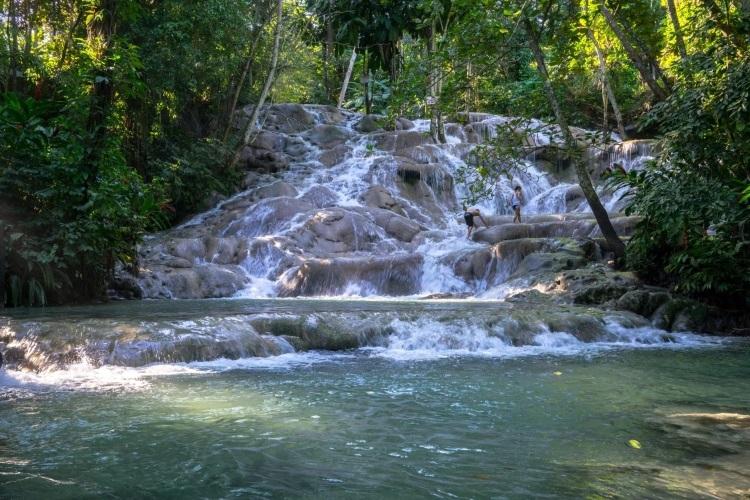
pixel 583 327
pixel 682 315
pixel 643 302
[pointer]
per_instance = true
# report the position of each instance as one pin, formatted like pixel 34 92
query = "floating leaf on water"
pixel 634 443
pixel 557 373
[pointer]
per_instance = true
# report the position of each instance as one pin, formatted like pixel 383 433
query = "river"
pixel 418 414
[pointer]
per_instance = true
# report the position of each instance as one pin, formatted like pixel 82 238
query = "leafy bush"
pixel 692 234
pixel 64 226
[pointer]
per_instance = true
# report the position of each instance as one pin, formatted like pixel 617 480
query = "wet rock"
pixel 262 159
pixel 584 328
pixel 400 140
pixel 396 225
pixel 334 156
pixel 272 190
pixel 267 216
pixel 643 302
pixel 124 287
pixel 680 314
pixel 270 141
pixel 204 281
pixel 320 197
pixel 595 284
pixel 567 229
pixel 370 123
pixel 380 197
pixel 336 231
pixel 393 276
pixel 284 118
pixel 328 136
pixel 404 124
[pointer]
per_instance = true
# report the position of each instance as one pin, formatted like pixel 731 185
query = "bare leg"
pixel 517 217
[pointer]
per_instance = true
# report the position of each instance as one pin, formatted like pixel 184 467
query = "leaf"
pixel 557 373
pixel 634 443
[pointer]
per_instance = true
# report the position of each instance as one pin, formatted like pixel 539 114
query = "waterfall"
pixel 369 202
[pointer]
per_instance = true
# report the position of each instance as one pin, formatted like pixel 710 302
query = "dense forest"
pixel 118 117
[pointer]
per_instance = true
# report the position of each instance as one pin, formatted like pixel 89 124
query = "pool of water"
pixel 662 421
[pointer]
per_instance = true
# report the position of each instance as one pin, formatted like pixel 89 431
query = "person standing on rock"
pixel 515 203
pixel 469 219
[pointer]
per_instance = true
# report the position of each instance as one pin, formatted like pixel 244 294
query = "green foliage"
pixel 692 234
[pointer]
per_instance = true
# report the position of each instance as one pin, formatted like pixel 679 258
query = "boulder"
pixel 380 197
pixel 370 123
pixel 284 118
pixel 393 276
pixel 336 231
pixel 328 136
pixel 404 124
pixel 266 216
pixel 198 282
pixel 396 225
pixel 331 157
pixel 642 302
pixel 320 197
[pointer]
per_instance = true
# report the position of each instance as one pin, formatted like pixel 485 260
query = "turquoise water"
pixel 363 423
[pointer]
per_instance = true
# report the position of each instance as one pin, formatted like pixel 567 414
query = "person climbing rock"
pixel 469 219
pixel 515 203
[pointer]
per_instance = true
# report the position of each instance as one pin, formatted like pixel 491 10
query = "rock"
pixel 370 123
pixel 320 197
pixel 262 159
pixel 680 314
pixel 270 141
pixel 595 284
pixel 642 302
pixel 396 225
pixel 400 140
pixel 566 229
pixel 380 197
pixel 204 281
pixel 393 276
pixel 336 231
pixel 584 328
pixel 404 124
pixel 273 190
pixel 433 174
pixel 284 118
pixel 267 216
pixel 331 157
pixel 124 286
pixel 328 136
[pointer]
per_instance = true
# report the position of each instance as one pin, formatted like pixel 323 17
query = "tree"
pixel 584 179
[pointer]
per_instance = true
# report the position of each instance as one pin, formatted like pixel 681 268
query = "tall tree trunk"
pixel 437 130
pixel 679 40
pixel 328 57
pixel 252 124
pixel 347 77
pixel 584 179
pixel 13 39
pixel 643 65
pixel 606 84
pixel 240 84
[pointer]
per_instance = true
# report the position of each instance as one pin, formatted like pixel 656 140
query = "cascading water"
pixel 356 206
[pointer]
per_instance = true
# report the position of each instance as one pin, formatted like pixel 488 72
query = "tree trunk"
pixel 252 124
pixel 641 64
pixel 240 83
pixel 584 179
pixel 328 57
pixel 13 38
pixel 606 85
pixel 679 40
pixel 347 77
pixel 437 131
